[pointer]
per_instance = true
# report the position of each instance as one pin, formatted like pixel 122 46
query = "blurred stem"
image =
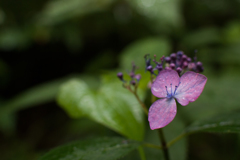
pixel 152 146
pixel 160 132
pixel 141 153
pixel 164 144
pixel 178 138
pixel 137 97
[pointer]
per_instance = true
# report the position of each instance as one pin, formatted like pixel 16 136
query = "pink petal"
pixel 162 112
pixel 165 78
pixel 190 88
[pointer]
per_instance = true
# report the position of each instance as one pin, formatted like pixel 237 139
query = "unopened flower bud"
pixel 159 67
pixel 138 77
pixel 120 76
pixel 172 66
pixel 185 64
pixel 189 59
pixel 184 57
pixel 173 56
pixel 179 54
pixel 199 64
pixel 132 74
pixel 150 68
pixel 167 59
pixel 191 66
pixel 179 70
pixel 199 67
pixel 133 82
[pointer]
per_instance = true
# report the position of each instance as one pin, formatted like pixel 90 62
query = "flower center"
pixel 171 94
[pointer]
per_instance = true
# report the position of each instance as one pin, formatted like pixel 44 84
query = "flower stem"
pixel 137 97
pixel 178 138
pixel 152 146
pixel 164 144
pixel 142 104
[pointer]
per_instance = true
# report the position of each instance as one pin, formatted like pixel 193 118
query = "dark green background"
pixel 48 42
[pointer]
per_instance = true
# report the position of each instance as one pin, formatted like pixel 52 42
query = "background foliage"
pixel 47 46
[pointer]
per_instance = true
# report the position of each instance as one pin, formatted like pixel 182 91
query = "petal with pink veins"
pixel 165 78
pixel 190 88
pixel 162 112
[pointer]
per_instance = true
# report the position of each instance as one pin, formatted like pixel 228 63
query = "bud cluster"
pixel 135 78
pixel 176 61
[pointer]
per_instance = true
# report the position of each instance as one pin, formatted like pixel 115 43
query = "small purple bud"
pixel 167 68
pixel 132 74
pixel 184 57
pixel 133 82
pixel 199 67
pixel 189 59
pixel 179 54
pixel 159 67
pixel 120 76
pixel 172 66
pixel 179 70
pixel 199 64
pixel 191 66
pixel 138 77
pixel 150 68
pixel 167 59
pixel 185 64
pixel 173 56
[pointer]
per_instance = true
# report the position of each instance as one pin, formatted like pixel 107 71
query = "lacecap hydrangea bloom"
pixel 169 86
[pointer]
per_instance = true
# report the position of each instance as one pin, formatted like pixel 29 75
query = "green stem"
pixel 145 109
pixel 142 104
pixel 164 144
pixel 178 138
pixel 150 145
pixel 141 153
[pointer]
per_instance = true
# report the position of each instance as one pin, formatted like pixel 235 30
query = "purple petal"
pixel 162 112
pixel 165 78
pixel 190 88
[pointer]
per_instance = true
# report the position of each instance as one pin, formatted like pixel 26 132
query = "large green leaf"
pixel 62 10
pixel 136 51
pixel 163 13
pixel 110 105
pixel 228 122
pixel 100 148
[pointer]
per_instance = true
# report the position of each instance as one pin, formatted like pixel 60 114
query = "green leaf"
pixel 136 51
pixel 34 96
pixel 163 13
pixel 111 105
pixel 100 148
pixel 58 11
pixel 202 37
pixel 228 122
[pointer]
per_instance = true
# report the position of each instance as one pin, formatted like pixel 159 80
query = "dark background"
pixel 45 42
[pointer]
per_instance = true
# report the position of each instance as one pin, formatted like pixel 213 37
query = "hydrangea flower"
pixel 169 86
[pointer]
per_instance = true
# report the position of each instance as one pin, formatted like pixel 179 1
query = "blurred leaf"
pixel 136 51
pixel 228 122
pixel 219 95
pixel 111 105
pixel 202 37
pixel 13 38
pixel 232 32
pixel 61 10
pixel 37 95
pixel 164 13
pixel 100 148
